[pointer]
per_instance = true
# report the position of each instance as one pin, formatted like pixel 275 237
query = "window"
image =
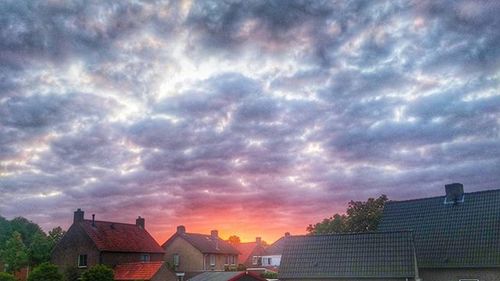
pixel 145 257
pixel 212 260
pixel 230 260
pixel 255 259
pixel 82 261
pixel 177 259
pixel 269 261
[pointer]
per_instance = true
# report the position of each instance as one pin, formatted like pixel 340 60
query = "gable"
pixel 205 243
pixel 466 234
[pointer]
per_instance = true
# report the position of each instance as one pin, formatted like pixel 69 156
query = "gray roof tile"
pixel 376 255
pixel 450 235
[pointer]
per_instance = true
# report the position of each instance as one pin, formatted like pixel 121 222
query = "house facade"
pixel 193 253
pixel 272 257
pixel 376 256
pixel 90 242
pixel 457 235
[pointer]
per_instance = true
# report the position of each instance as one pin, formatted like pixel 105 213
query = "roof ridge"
pixel 113 222
pixel 440 196
pixel 354 233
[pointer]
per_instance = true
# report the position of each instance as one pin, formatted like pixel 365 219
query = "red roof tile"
pixel 137 270
pixel 120 237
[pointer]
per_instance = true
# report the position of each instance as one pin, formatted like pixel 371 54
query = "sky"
pixel 255 118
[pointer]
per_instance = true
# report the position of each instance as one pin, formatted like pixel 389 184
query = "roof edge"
pixel 441 196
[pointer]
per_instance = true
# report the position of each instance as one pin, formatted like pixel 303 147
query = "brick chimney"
pixel 454 192
pixel 214 234
pixel 78 216
pixel 258 240
pixel 140 222
pixel 181 229
pixel 287 234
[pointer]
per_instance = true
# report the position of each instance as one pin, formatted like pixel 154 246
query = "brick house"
pixel 91 242
pixel 457 235
pixel 193 253
pixel 376 256
pixel 251 252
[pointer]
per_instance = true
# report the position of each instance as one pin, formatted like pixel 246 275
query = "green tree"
pixel 14 253
pixel 5 231
pixel 361 216
pixel 39 250
pixel 45 272
pixel 72 273
pixel 98 273
pixel 4 276
pixel 26 228
pixel 55 235
pixel 233 239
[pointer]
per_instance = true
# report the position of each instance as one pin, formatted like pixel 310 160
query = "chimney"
pixel 454 192
pixel 181 229
pixel 93 219
pixel 140 222
pixel 78 216
pixel 215 237
pixel 258 240
pixel 287 234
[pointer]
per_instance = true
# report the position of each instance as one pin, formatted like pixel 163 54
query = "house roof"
pixel 450 235
pixel 224 276
pixel 361 255
pixel 137 270
pixel 247 249
pixel 120 237
pixel 205 243
pixel 277 247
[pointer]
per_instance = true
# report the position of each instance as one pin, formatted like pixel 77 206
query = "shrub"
pixel 4 276
pixel 269 275
pixel 98 273
pixel 45 272
pixel 72 273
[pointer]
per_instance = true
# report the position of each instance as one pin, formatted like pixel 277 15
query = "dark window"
pixel 82 261
pixel 177 259
pixel 145 257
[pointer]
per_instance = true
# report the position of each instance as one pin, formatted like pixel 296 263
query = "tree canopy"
pixel 4 276
pixel 233 239
pixel 23 242
pixel 45 272
pixel 98 273
pixel 360 216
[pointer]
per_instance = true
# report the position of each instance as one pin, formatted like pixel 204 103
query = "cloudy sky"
pixel 250 117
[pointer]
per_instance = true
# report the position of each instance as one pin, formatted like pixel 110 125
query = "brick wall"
pixel 191 259
pixel 73 244
pixel 486 274
pixel 113 258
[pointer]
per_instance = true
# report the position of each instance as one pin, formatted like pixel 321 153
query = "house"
pixel 91 242
pixel 250 252
pixel 372 256
pixel 193 253
pixel 227 276
pixel 457 235
pixel 272 258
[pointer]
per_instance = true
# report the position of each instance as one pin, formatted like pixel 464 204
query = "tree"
pixel 4 276
pixel 14 253
pixel 45 272
pixel 55 235
pixel 72 274
pixel 234 240
pixel 5 231
pixel 360 217
pixel 26 228
pixel 39 250
pixel 98 273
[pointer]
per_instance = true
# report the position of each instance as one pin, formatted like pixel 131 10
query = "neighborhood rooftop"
pixel 455 230
pixel 360 255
